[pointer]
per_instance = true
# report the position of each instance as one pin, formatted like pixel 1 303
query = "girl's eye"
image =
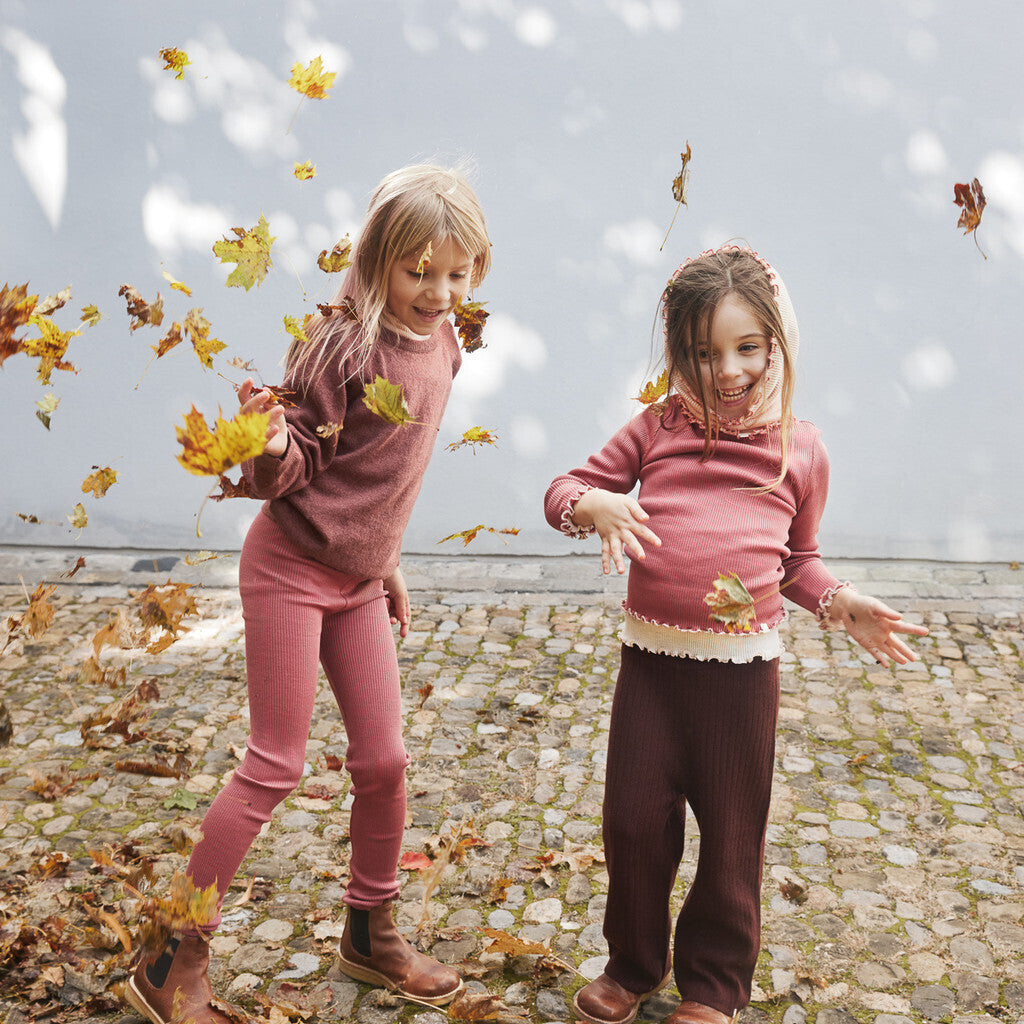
pixel 702 354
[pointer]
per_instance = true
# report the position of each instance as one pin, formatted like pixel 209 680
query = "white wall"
pixel 829 136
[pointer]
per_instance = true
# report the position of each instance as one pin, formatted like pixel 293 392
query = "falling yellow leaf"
pixel 470 535
pixel 99 482
pixel 78 517
pixel 305 171
pixel 49 347
pixel 250 250
pixel 680 186
pixel 653 391
pixel 197 327
pixel 731 603
pixel 177 285
pixel 473 436
pixel 339 258
pixel 174 60
pixel 210 453
pixel 297 330
pixel 312 80
pixel 387 400
pixel 47 407
pixel 91 316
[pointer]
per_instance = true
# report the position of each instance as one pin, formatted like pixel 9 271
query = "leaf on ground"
pixel 680 187
pixel 250 251
pixel 480 1006
pixel 52 787
pixel 197 327
pixel 208 452
pixel 654 390
pixel 312 80
pixel 503 942
pixel 338 259
pixel 99 482
pixel 142 313
pixel 49 347
pixel 971 200
pixel 414 861
pixel 470 535
pixel 469 322
pixel 174 60
pixel 158 768
pixel 473 436
pixel 16 308
pixel 46 407
pixel 181 800
pixel 78 517
pixel 730 602
pixel 304 171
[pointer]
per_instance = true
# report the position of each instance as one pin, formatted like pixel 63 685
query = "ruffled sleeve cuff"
pixel 824 610
pixel 567 524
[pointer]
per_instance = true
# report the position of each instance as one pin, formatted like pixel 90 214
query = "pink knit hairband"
pixel 731 247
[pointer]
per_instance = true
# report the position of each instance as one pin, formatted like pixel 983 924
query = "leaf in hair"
pixel 654 390
pixel 680 186
pixel 339 258
pixel 971 200
pixel 425 258
pixel 469 321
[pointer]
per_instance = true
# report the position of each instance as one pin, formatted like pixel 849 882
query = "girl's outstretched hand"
pixel 398 601
pixel 872 624
pixel 619 521
pixel 263 401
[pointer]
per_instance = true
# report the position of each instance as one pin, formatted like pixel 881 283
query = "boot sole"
pixel 367 974
pixel 138 1003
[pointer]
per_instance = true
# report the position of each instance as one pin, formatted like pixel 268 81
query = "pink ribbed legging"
pixel 297 613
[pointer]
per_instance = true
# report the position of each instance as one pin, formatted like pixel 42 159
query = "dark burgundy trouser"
pixel 702 733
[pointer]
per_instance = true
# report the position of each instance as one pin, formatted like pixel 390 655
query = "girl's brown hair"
pixel 689 304
pixel 413 206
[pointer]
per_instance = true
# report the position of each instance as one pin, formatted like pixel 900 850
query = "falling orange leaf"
pixel 473 437
pixel 971 200
pixel 78 517
pixel 250 250
pixel 469 321
pixel 16 308
pixel 174 60
pixel 347 308
pixel 338 259
pixel 654 390
pixel 99 482
pixel 312 80
pixel 140 311
pixel 680 186
pixel 210 453
pixel 470 535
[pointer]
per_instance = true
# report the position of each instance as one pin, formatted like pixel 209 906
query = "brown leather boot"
pixel 174 985
pixel 605 1001
pixel 372 949
pixel 697 1013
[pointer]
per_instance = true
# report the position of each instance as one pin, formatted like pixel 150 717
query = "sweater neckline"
pixel 407 343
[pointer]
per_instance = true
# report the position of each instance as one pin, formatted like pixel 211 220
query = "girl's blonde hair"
pixel 689 304
pixel 410 208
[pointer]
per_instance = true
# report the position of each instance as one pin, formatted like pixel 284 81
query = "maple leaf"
pixel 250 250
pixel 78 517
pixel 140 311
pixel 304 171
pixel 184 908
pixel 469 321
pixel 177 285
pixel 503 942
pixel 312 80
pixel 49 347
pixel 414 861
pixel 473 436
pixel 296 329
pixel 210 453
pixel 54 302
pixel 680 185
pixel 170 340
pixel 971 200
pixel 47 406
pixel 387 400
pixel 339 258
pixel 174 60
pixel 470 535
pixel 197 327
pixel 16 308
pixel 91 316
pixel 241 364
pixel 654 391
pixel 164 608
pixel 38 617
pixel 229 489
pixel 731 603
pixel 424 260
pixel 99 482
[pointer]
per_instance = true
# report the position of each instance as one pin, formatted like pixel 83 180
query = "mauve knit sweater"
pixel 345 500
pixel 706 521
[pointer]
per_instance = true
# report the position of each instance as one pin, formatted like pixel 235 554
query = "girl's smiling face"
pixel 420 297
pixel 735 357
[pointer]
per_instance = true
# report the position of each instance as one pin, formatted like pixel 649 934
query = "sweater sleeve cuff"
pixel 567 524
pixel 824 610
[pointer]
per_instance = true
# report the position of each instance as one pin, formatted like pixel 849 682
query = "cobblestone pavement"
pixel 894 882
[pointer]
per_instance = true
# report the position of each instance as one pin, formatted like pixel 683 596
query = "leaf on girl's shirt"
pixel 174 60
pixel 338 259
pixel 329 429
pixel 469 322
pixel 304 171
pixel 424 260
pixel 140 311
pixel 177 285
pixel 208 452
pixel 971 200
pixel 53 302
pixel 680 186
pixel 49 347
pixel 387 400
pixel 46 407
pixel 91 316
pixel 731 603
pixel 312 80
pixel 78 517
pixel 99 482
pixel 250 250
pixel 16 308
pixel 473 436
pixel 654 390
pixel 469 535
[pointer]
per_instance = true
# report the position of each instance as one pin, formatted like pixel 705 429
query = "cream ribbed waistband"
pixel 703 645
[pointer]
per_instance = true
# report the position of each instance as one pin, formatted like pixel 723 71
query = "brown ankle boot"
pixel 174 985
pixel 373 950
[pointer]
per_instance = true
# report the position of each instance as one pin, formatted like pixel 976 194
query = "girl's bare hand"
pixel 872 624
pixel 619 521
pixel 263 400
